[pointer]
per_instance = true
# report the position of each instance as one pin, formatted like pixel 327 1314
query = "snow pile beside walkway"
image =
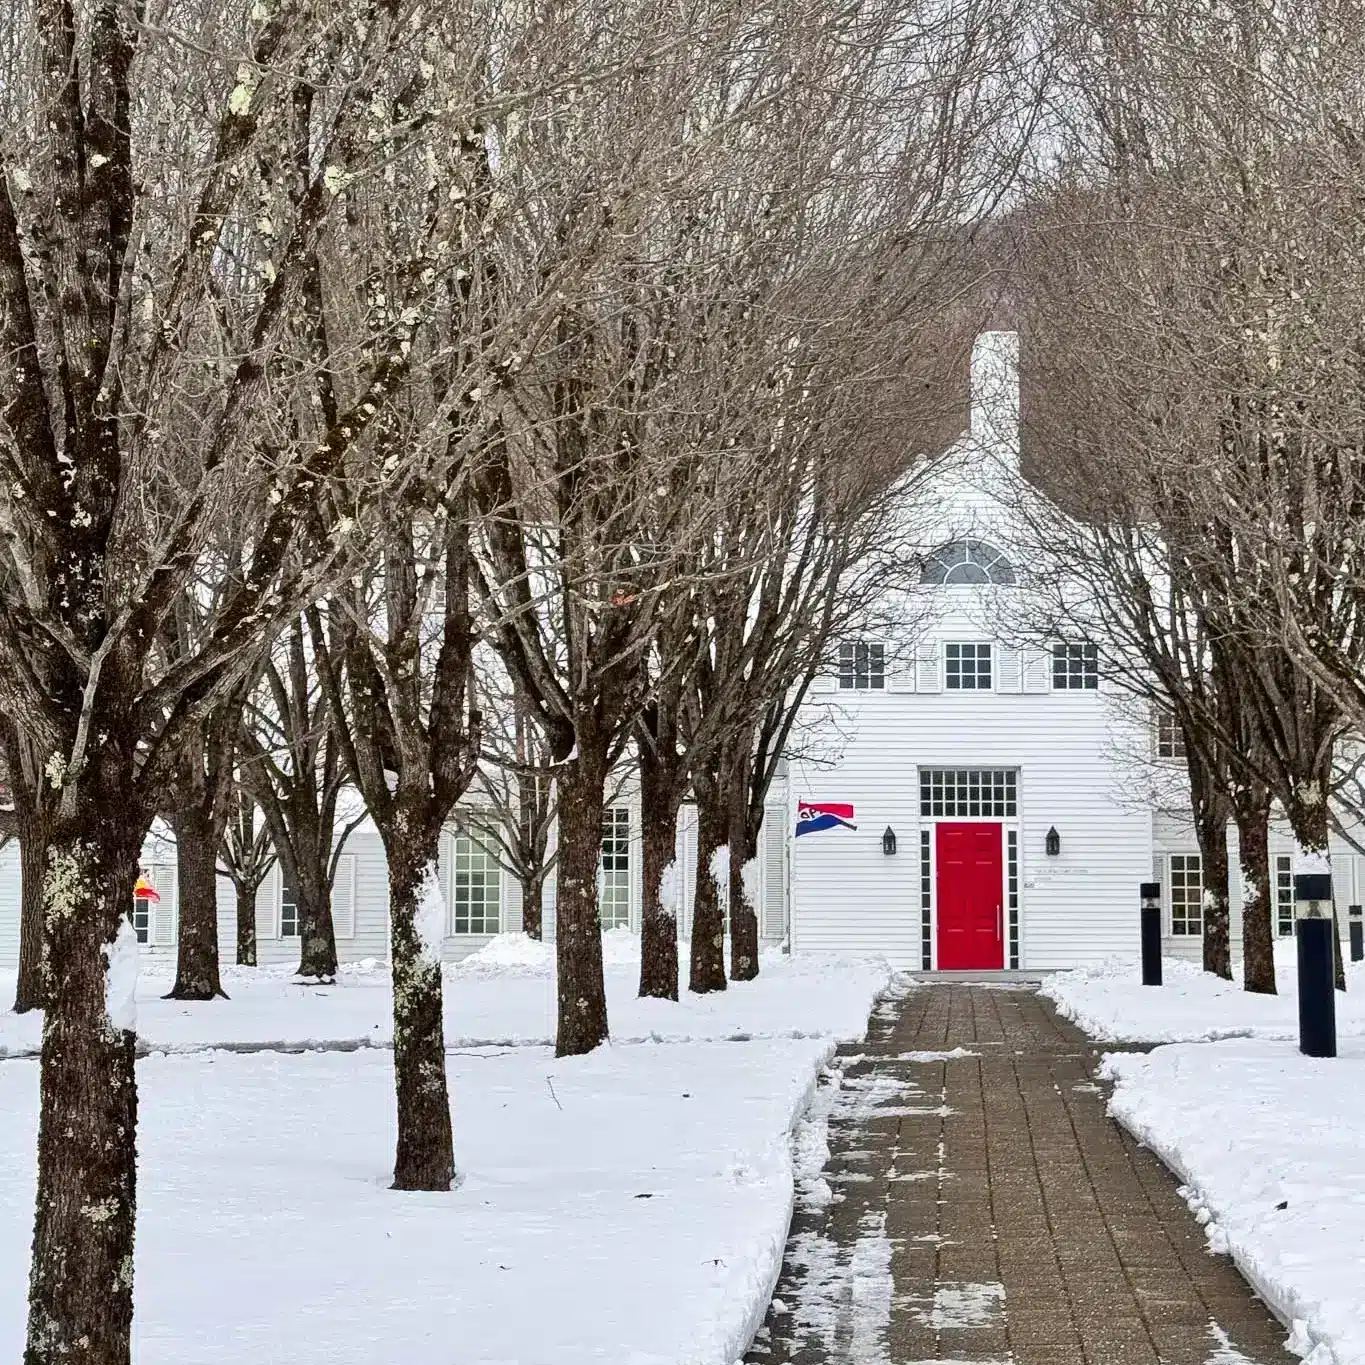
pixel 509 1005
pixel 629 1207
pixel 1268 1143
pixel 1110 1002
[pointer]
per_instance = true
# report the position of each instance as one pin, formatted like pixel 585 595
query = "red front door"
pixel 970 896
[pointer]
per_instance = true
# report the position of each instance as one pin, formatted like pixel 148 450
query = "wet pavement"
pixel 979 1206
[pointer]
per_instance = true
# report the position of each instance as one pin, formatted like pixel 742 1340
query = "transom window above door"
pixel 862 666
pixel 967 561
pixel 968 667
pixel 958 793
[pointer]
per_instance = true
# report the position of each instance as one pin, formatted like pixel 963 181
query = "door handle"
pixel 1000 921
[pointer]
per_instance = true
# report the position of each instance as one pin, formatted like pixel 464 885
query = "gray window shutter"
pixel 928 674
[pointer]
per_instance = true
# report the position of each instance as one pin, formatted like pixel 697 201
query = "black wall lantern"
pixel 889 841
pixel 1054 842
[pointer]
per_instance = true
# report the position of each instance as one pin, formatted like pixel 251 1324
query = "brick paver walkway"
pixel 983 1208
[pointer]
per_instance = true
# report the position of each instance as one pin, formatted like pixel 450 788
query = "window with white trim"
pixel 613 904
pixel 1187 895
pixel 475 888
pixel 1075 666
pixel 968 667
pixel 1170 738
pixel 955 793
pixel 142 918
pixel 289 908
pixel 1284 895
pixel 862 666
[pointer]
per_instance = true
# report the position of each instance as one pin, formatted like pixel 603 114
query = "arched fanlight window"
pixel 967 561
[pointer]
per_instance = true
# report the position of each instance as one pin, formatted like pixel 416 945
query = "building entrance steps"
pixel 978 1206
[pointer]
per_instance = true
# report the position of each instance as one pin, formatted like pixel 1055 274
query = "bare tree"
pixel 150 275
pixel 295 769
pixel 246 857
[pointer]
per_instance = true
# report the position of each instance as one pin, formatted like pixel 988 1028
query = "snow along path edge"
pixel 1123 1110
pixel 296 1046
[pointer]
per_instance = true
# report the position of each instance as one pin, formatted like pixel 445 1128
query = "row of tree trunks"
pixel 1212 809
pixel 658 850
pixel 1251 806
pixel 533 904
pixel 196 855
pixel 246 924
pixel 743 851
pixel 582 999
pixel 33 847
pixel 81 1285
pixel 1310 820
pixel 707 968
pixel 425 1154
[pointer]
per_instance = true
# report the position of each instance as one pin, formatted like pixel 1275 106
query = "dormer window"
pixel 862 666
pixel 967 561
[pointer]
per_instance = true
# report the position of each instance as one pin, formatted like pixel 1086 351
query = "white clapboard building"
pixel 959 803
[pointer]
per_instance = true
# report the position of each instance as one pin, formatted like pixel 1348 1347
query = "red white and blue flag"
pixel 813 816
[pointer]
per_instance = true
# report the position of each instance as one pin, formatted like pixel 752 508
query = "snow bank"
pixel 1267 1142
pixel 120 980
pixel 491 1002
pixel 636 1201
pixel 1110 1002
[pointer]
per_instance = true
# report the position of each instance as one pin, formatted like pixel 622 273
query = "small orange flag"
pixel 144 888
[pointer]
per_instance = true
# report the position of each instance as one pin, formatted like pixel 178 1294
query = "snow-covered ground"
pixel 1111 1003
pixel 1266 1141
pixel 628 1207
pixel 505 993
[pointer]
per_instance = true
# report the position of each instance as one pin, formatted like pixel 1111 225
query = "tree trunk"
pixel 1252 809
pixel 708 919
pixel 1308 818
pixel 533 904
pixel 1211 808
pixel 317 936
pixel 246 924
pixel 743 916
pixel 659 909
pixel 33 846
pixel 578 930
pixel 425 1157
pixel 196 858
pixel 81 1284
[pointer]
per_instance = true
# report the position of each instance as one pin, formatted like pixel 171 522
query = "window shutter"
pixel 774 882
pixel 1009 669
pixel 927 671
pixel 166 911
pixel 824 680
pixel 1037 670
pixel 343 897
pixel 268 904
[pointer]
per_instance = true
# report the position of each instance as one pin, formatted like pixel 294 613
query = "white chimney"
pixel 995 392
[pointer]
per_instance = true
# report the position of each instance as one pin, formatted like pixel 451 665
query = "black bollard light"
pixel 1150 895
pixel 1317 998
pixel 1357 936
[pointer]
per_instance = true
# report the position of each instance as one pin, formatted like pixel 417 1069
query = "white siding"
pixel 9 908
pixel 848 896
